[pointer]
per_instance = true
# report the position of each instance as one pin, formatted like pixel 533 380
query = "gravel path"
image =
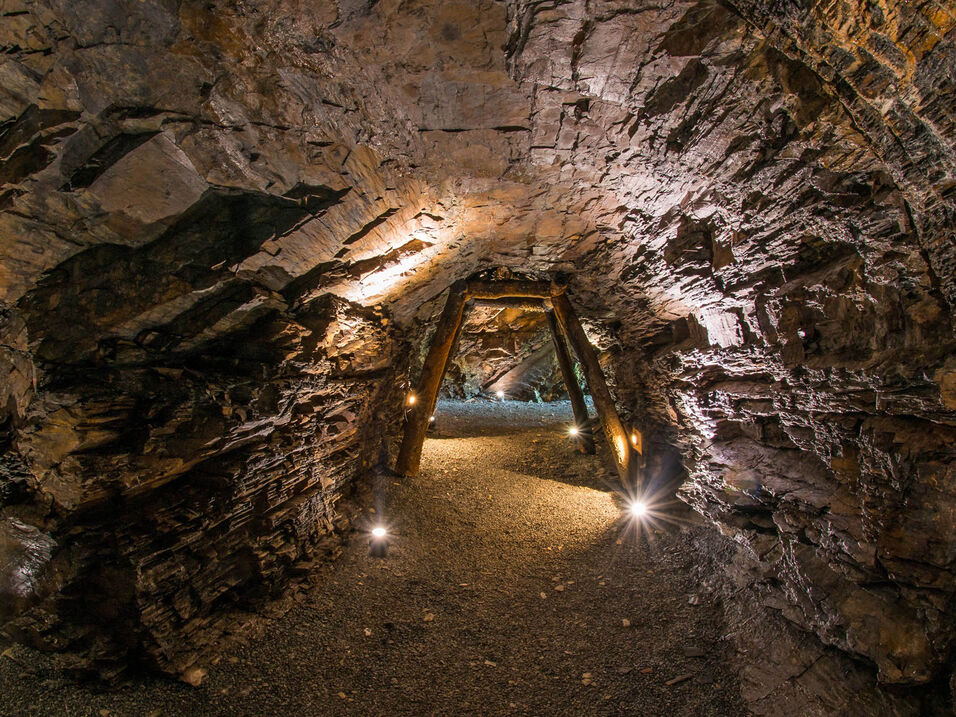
pixel 512 586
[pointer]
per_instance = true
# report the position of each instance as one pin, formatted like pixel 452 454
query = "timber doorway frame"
pixel 625 442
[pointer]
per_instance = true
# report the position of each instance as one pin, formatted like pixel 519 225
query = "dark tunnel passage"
pixel 229 234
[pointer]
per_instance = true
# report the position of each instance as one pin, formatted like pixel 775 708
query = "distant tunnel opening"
pixel 506 352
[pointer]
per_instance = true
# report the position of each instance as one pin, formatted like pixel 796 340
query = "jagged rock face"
pixel 202 205
pixel 184 484
pixel 790 289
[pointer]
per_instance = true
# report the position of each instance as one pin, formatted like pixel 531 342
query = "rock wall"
pixel 786 283
pixel 153 494
pixel 182 410
pixel 202 205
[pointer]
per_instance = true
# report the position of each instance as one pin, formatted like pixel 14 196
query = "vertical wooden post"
pixel 626 459
pixel 433 371
pixel 580 408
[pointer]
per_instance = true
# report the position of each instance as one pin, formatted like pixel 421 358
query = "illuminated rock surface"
pixel 508 350
pixel 225 228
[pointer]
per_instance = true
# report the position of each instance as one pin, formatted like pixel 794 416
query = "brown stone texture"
pixel 225 228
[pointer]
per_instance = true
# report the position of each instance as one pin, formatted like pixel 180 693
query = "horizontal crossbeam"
pixel 509 288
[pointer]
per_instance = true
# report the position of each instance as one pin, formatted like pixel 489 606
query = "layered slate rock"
pixel 201 207
pixel 182 486
pixel 782 285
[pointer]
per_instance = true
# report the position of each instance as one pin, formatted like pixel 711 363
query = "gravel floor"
pixel 512 586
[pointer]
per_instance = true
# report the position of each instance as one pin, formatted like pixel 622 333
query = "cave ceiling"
pixel 638 144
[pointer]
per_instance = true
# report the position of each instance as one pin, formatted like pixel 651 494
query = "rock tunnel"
pixel 228 230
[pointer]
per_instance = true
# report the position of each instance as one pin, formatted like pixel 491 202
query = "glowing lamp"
pixel 500 395
pixel 411 399
pixel 378 545
pixel 638 508
pixel 573 431
pixel 431 418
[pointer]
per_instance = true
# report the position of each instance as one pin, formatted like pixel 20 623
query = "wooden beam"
pixel 420 405
pixel 515 302
pixel 626 459
pixel 585 440
pixel 509 288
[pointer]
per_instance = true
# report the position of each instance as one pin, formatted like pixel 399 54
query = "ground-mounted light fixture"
pixel 500 395
pixel 573 431
pixel 643 515
pixel 378 543
pixel 411 399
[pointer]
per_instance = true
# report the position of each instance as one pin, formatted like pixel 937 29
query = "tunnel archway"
pixel 551 297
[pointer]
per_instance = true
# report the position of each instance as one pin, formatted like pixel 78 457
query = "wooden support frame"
pixel 509 288
pixel 578 406
pixel 420 405
pixel 515 302
pixel 623 443
pixel 563 322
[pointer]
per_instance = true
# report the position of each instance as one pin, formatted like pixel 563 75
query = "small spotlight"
pixel 500 395
pixel 378 543
pixel 573 431
pixel 431 419
pixel 638 508
pixel 411 399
